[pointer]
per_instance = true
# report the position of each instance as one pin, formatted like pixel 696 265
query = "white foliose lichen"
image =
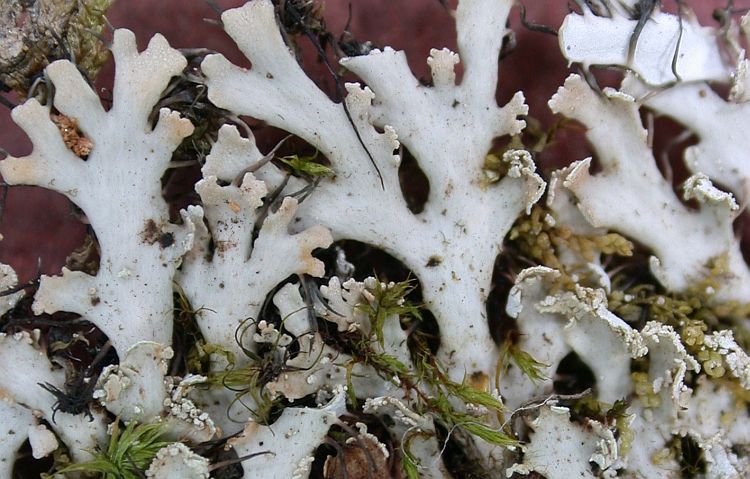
pixel 177 461
pixel 631 196
pixel 447 127
pixel 561 448
pixel 660 47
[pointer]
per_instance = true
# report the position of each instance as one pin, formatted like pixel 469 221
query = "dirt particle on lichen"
pixel 166 240
pixel 76 142
pixel 433 261
pixel 152 233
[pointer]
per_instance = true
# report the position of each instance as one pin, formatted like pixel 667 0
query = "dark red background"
pixel 37 223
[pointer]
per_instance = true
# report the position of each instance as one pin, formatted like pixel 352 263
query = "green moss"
pixel 449 399
pixel 608 414
pixel 306 166
pixel 541 240
pixel 530 367
pixel 693 314
pixel 435 394
pixel 389 300
pixel 250 382
pixel 128 454
pixel 409 464
pixel 250 379
pixel 200 355
pixel 429 375
pixel 82 39
pixel 449 417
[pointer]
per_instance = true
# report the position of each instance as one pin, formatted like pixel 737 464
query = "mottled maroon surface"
pixel 37 223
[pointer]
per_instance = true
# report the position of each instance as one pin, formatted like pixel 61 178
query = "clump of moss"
pixel 250 380
pixel 644 390
pixel 200 358
pixel 82 38
pixel 128 454
pixel 693 313
pixel 539 237
pixel 389 300
pixel 462 408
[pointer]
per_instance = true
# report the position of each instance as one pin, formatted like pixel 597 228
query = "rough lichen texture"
pixel 618 349
pixel 118 189
pixel 447 127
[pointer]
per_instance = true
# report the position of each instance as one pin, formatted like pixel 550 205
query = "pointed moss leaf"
pixel 306 166
pixel 525 362
pixel 471 395
pixel 490 435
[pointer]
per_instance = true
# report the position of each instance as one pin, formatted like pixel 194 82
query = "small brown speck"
pixel 150 232
pixel 434 260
